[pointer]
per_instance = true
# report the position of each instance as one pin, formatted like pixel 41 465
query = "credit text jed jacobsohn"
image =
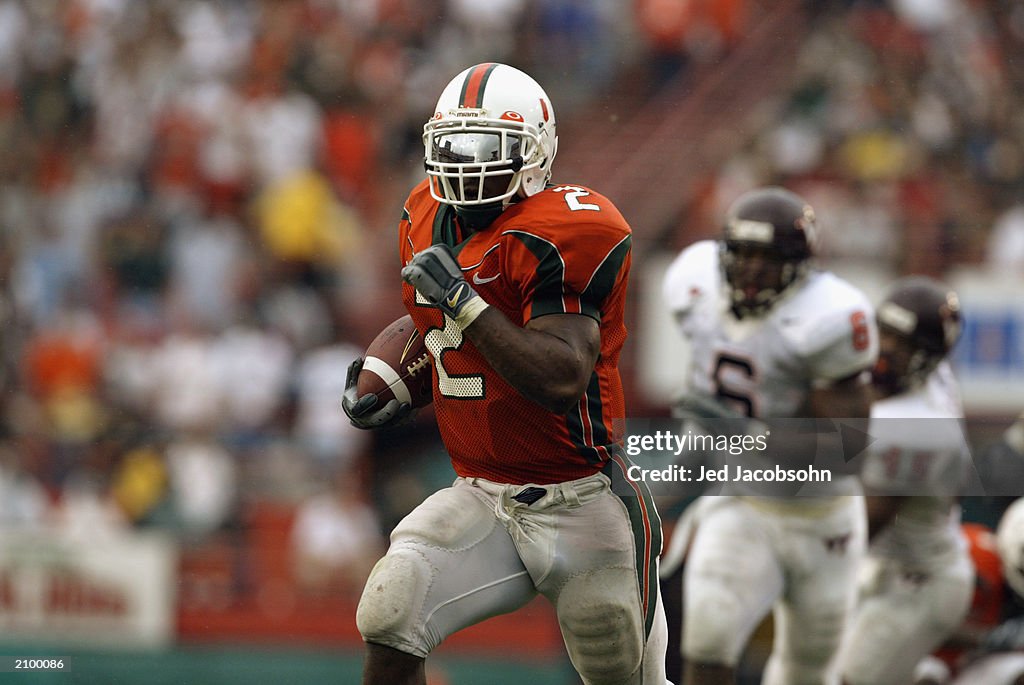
pixel 667 441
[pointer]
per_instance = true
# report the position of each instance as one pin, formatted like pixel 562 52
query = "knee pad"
pixel 602 626
pixel 781 672
pixel 392 600
pixel 812 650
pixel 716 625
pixel 806 649
pixel 394 605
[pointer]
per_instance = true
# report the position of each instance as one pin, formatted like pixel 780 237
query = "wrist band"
pixel 470 311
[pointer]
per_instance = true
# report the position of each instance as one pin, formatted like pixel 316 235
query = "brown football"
pixel 397 364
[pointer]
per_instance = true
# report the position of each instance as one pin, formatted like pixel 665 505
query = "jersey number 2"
pixel 572 198
pixel 442 340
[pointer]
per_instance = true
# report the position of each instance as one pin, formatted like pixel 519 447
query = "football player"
pixel 918 578
pixel 771 337
pixel 518 287
pixel 999 658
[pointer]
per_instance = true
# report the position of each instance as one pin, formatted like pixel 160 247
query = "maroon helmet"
pixel 921 319
pixel 767 243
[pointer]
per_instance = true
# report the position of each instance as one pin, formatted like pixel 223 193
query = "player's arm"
pixel 880 510
pixel 549 361
pixel 845 399
pixel 848 398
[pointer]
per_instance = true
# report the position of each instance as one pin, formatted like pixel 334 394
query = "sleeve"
pixel 404 246
pixel 841 342
pixel 576 275
pixel 692 277
pixel 692 273
pixel 414 223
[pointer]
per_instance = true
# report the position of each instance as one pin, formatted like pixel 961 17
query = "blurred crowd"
pixel 903 127
pixel 197 203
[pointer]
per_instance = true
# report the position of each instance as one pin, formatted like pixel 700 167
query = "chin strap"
pixel 478 217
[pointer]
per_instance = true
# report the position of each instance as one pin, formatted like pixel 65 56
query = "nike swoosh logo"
pixel 455 297
pixel 480 281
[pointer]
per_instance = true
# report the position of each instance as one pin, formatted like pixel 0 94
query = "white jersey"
pixel 918 448
pixel 820 332
pixel 796 556
pixel 917 583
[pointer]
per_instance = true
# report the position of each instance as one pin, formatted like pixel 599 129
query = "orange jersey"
pixel 563 250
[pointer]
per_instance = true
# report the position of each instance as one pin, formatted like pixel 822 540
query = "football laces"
pixel 419 364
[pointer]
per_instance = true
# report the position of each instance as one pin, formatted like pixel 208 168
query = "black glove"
pixel 436 275
pixel 363 411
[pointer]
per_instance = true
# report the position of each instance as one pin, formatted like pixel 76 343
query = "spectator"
pixel 203 483
pixel 335 538
pixel 86 507
pixel 1006 242
pixel 320 428
pixel 206 258
pixel 139 483
pixel 184 389
pixel 252 364
pixel 23 500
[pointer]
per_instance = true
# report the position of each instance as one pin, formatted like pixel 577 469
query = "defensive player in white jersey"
pixel 917 580
pixel 771 338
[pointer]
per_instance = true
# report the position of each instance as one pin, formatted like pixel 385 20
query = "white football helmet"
pixel 492 136
pixel 1010 540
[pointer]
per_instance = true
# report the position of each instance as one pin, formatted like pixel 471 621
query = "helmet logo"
pixel 903 320
pixel 544 109
pixel 950 331
pixel 512 116
pixel 808 224
pixel 950 324
pixel 952 305
pixel 750 230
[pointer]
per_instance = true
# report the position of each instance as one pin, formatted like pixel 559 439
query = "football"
pixel 397 364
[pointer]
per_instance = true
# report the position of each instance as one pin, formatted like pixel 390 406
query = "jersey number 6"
pixel 733 396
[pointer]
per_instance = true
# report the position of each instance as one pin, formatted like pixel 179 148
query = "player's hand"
pixel 436 275
pixel 701 407
pixel 363 411
pixel 713 416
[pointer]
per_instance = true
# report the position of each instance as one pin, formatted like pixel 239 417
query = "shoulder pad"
pixel 832 325
pixel 693 275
